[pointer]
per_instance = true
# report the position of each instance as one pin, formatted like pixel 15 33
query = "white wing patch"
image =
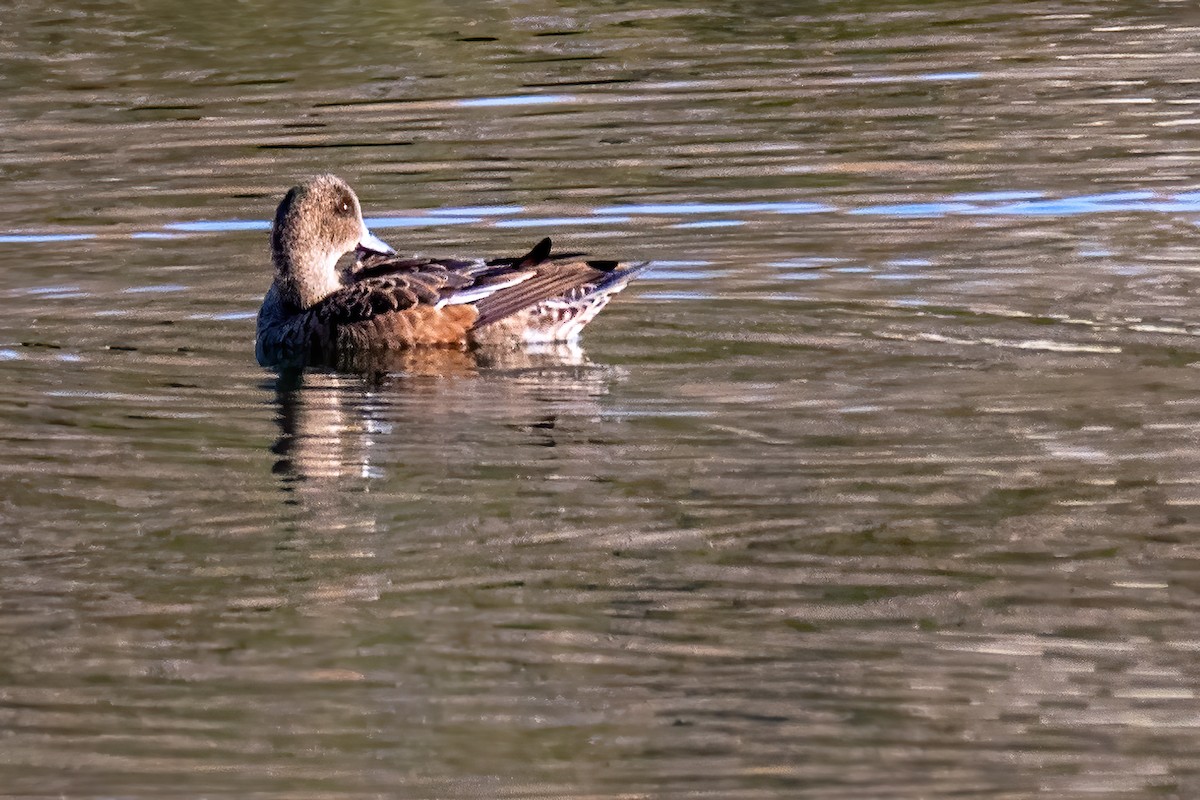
pixel 474 293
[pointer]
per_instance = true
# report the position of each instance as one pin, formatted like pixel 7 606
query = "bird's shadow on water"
pixel 333 421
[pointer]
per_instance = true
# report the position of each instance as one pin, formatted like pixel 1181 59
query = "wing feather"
pixel 497 288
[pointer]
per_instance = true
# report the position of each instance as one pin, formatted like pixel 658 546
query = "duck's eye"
pixel 344 207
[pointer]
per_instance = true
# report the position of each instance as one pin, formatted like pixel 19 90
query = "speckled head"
pixel 317 223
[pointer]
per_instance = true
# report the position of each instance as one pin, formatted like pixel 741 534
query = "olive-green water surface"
pixel 882 482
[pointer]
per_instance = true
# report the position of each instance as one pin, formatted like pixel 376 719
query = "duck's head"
pixel 317 223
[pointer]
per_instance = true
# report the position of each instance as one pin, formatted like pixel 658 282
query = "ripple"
pixel 1000 203
pixel 26 238
pixel 518 100
pixel 383 223
pixel 477 211
pixel 161 288
pixel 934 209
pixel 710 223
pixel 550 222
pixel 206 226
pixel 717 208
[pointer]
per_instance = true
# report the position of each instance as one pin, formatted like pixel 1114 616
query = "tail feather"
pixel 563 317
pixel 545 285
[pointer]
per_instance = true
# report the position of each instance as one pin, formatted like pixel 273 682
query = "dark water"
pixel 882 483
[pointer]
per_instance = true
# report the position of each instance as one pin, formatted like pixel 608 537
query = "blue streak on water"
pixel 806 262
pixel 950 76
pixel 789 297
pixel 1114 197
pixel 716 208
pixel 1105 203
pixel 53 291
pixel 418 222
pixel 477 211
pixel 517 100
pixel 927 76
pixel 559 221
pixel 225 316
pixel 916 209
pixel 682 275
pixel 161 288
pixel 664 270
pixel 10 355
pixel 21 238
pixel 985 203
pixel 1067 206
pixel 1050 208
pixel 1161 205
pixel 206 225
pixel 677 296
pixel 711 223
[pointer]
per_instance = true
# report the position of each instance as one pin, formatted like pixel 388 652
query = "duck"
pixel 316 312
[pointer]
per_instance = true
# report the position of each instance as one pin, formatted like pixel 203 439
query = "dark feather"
pixel 365 299
pixel 547 283
pixel 539 253
pixel 427 287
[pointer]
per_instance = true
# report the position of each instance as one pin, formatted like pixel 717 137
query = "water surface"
pixel 881 483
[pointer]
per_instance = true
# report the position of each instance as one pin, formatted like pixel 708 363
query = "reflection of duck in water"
pixel 314 312
pixel 334 425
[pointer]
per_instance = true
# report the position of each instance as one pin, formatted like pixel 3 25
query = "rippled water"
pixel 881 483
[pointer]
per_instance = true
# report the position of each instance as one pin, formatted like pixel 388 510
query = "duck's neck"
pixel 306 280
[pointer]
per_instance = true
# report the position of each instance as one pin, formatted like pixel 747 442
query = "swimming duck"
pixel 315 311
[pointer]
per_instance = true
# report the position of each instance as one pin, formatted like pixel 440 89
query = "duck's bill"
pixel 370 243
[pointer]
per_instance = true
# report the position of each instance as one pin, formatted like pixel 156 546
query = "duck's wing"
pixel 497 288
pixel 462 272
pixel 370 297
pixel 553 280
pixel 565 285
pixel 448 280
